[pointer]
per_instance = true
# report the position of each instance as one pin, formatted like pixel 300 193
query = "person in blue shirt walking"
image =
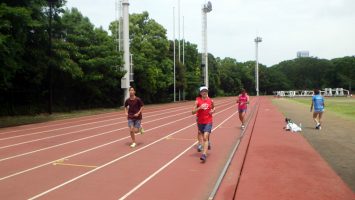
pixel 318 104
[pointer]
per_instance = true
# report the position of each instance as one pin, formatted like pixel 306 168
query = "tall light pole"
pixel 183 40
pixel 174 54
pixel 257 40
pixel 125 81
pixel 179 26
pixel 206 8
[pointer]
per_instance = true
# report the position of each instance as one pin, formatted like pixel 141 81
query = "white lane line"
pixel 113 115
pixel 58 145
pixel 107 115
pixel 89 137
pixel 105 165
pixel 115 160
pixel 166 165
pixel 82 130
pixel 35 140
pixel 94 148
pixel 90 123
pixel 82 152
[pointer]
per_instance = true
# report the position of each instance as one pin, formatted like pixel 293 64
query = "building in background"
pixel 302 54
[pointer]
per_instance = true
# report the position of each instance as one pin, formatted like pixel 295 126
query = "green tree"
pixel 343 72
pixel 88 62
pixel 153 70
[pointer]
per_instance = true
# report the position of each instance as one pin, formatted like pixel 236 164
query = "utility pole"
pixel 257 40
pixel 125 81
pixel 206 8
pixel 174 54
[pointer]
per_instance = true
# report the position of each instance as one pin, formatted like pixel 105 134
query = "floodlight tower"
pixel 174 54
pixel 206 8
pixel 125 81
pixel 257 40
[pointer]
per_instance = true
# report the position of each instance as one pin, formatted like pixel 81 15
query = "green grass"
pixel 342 106
pixel 22 120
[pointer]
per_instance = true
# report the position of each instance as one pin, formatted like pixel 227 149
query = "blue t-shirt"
pixel 318 102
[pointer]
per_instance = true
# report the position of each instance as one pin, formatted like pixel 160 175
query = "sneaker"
pixel 318 126
pixel 133 145
pixel 199 148
pixel 209 146
pixel 203 157
pixel 243 127
pixel 141 130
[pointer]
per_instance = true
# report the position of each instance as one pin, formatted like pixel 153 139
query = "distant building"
pixel 302 54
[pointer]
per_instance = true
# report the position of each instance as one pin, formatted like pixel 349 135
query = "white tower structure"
pixel 174 54
pixel 257 40
pixel 119 27
pixel 206 8
pixel 125 81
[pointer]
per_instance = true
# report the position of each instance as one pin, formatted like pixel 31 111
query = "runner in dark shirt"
pixel 133 110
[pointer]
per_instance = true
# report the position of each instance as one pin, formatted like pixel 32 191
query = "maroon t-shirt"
pixel 133 107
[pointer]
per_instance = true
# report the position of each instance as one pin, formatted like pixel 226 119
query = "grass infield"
pixel 343 106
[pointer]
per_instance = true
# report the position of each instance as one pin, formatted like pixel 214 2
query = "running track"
pixel 90 157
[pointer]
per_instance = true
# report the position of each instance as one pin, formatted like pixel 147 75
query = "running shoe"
pixel 243 127
pixel 199 148
pixel 141 130
pixel 318 126
pixel 203 157
pixel 133 145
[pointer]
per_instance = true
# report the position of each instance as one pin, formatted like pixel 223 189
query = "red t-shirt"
pixel 203 115
pixel 243 99
pixel 133 107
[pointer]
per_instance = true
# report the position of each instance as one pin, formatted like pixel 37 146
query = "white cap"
pixel 203 88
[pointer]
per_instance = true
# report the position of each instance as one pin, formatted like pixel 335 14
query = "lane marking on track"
pixel 73 165
pixel 85 151
pixel 89 137
pixel 117 159
pixel 167 164
pixel 172 138
pixel 65 134
pixel 82 130
pixel 80 120
pixel 149 116
pixel 90 123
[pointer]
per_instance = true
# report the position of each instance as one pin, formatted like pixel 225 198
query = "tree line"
pixel 83 66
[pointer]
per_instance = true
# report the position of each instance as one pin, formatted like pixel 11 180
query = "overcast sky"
pixel 325 28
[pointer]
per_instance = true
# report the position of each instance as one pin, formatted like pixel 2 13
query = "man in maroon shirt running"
pixel 133 109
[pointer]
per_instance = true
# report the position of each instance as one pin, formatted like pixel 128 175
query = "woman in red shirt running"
pixel 242 101
pixel 204 107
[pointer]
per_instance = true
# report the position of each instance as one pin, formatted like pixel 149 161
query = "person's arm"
pixel 195 108
pixel 125 108
pixel 213 109
pixel 311 106
pixel 323 103
pixel 140 110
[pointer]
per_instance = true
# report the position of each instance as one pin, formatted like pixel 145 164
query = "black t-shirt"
pixel 133 107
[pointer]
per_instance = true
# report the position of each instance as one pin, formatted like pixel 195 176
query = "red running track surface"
pixel 90 157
